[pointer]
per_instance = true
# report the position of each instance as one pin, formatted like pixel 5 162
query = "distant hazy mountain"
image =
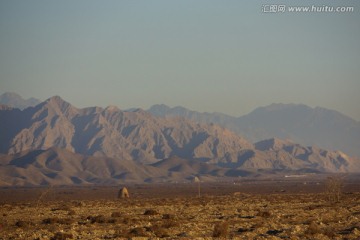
pixel 302 124
pixel 221 119
pixel 309 126
pixel 55 142
pixel 16 101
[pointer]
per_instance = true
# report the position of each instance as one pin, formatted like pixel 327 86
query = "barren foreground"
pixel 95 213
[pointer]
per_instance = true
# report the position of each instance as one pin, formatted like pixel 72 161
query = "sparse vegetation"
pixel 22 223
pixel 116 214
pixel 97 219
pixel 264 213
pixel 221 229
pixel 256 216
pixel 168 216
pixel 314 228
pixel 333 188
pixel 150 212
pixel 56 220
pixel 62 236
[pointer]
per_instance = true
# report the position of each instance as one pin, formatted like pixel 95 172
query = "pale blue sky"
pixel 225 55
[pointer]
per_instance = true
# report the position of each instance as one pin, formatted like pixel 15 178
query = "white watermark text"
pixel 281 8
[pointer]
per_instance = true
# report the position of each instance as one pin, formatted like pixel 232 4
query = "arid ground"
pixel 294 208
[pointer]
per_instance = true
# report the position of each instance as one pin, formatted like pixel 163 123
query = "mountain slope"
pixel 59 166
pixel 57 143
pixel 221 119
pixel 308 126
pixel 289 155
pixel 111 132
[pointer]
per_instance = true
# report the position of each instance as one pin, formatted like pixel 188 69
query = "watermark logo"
pixel 273 8
pixel 281 8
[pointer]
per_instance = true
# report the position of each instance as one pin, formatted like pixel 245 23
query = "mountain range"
pixel 302 124
pixel 57 143
pixel 323 127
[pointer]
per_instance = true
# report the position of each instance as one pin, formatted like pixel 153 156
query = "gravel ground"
pixel 229 215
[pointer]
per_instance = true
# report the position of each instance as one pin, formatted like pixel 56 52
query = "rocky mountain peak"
pixel 57 100
pixel 59 106
pixel 112 108
pixel 159 109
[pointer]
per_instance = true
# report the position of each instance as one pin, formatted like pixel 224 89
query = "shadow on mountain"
pixel 84 132
pixel 9 128
pixel 27 159
pixel 76 180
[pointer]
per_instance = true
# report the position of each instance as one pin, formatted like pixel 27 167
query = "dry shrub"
pixel 159 231
pixel 112 220
pixel 71 213
pixel 122 233
pixel 313 207
pixel 356 213
pixel 221 229
pixel 183 235
pixel 168 216
pixel 116 214
pixel 329 231
pixel 242 230
pixel 97 219
pixel 138 232
pixel 264 214
pixel 101 219
pixel 349 230
pixel 61 208
pixel 22 223
pixel 313 229
pixel 150 212
pixel 54 220
pixel 246 217
pixel 170 223
pixel 126 220
pixel 78 203
pixel 62 236
pixel 274 232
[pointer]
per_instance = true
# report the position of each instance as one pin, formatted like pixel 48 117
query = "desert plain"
pixel 280 208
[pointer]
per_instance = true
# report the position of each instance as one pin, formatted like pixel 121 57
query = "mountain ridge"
pixel 56 122
pixel 300 123
pixel 40 144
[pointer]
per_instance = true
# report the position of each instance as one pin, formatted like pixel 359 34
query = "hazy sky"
pixel 225 55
